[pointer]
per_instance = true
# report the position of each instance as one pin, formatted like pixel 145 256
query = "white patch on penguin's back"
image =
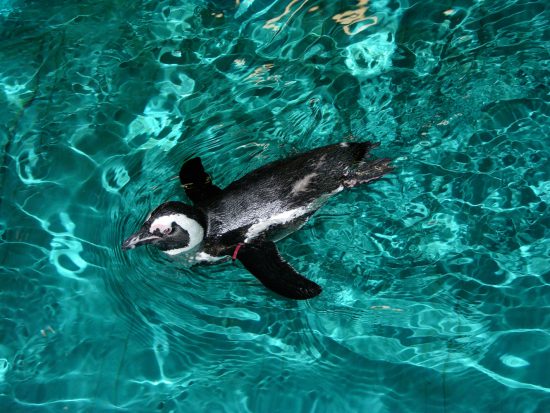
pixel 277 219
pixel 195 230
pixel 302 184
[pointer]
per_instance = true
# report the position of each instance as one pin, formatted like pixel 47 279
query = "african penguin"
pixel 244 220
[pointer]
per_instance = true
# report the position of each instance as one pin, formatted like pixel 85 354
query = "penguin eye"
pixel 167 231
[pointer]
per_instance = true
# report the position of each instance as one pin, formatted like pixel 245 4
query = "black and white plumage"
pixel 244 220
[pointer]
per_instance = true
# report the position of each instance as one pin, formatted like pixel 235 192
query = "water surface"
pixel 436 279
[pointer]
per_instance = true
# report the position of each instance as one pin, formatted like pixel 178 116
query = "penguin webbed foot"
pixel 368 171
pixel 263 261
pixel 197 183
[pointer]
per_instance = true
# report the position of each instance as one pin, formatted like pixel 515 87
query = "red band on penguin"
pixel 237 248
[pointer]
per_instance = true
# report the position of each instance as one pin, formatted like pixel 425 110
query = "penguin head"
pixel 172 227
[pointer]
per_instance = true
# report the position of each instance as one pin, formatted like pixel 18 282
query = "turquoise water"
pixel 436 278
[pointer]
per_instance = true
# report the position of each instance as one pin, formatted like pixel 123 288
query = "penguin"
pixel 244 220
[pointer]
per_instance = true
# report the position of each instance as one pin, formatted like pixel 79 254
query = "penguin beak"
pixel 141 237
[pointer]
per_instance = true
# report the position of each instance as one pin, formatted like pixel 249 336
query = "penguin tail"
pixel 368 171
pixel 361 150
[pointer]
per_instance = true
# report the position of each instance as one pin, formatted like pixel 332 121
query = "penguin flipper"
pixel 197 183
pixel 264 262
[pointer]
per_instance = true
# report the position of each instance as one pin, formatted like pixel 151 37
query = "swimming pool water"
pixel 436 278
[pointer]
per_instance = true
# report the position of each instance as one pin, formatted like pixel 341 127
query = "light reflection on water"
pixel 435 279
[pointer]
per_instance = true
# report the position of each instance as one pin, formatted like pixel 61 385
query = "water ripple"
pixel 439 272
